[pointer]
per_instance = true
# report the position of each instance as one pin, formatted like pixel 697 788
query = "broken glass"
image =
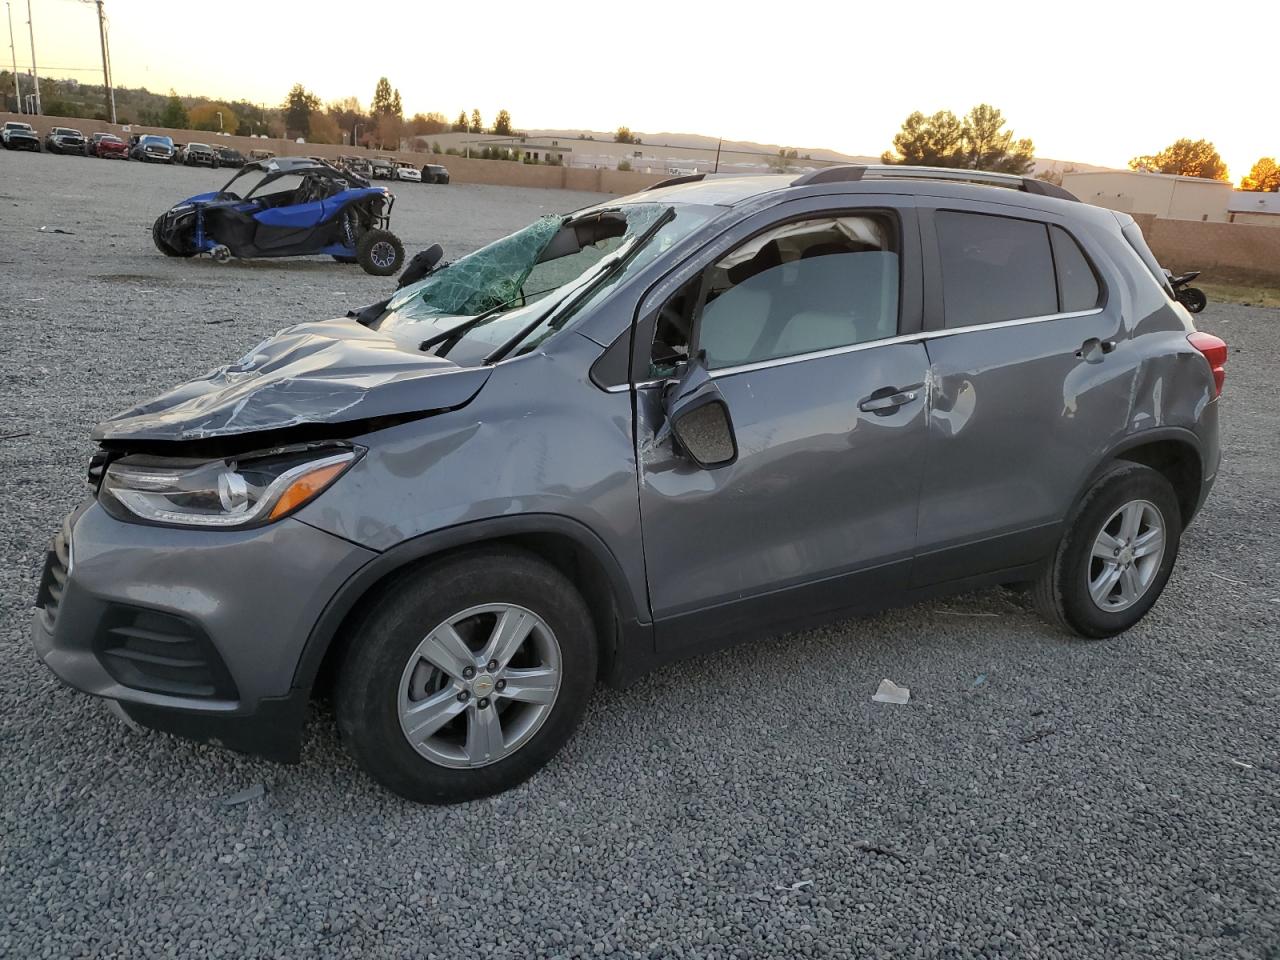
pixel 515 268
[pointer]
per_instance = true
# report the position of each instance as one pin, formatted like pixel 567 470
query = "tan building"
pixel 1252 207
pixel 1165 195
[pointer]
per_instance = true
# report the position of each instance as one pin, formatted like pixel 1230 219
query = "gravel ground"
pixel 1038 797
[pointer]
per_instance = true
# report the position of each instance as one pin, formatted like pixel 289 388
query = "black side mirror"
pixel 421 265
pixel 699 419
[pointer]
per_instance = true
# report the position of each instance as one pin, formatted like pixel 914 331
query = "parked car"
pixel 357 165
pixel 311 208
pixel 434 173
pixel 407 172
pixel 261 154
pixel 65 140
pixel 106 145
pixel 200 154
pixel 713 410
pixel 153 148
pixel 383 168
pixel 19 136
pixel 230 157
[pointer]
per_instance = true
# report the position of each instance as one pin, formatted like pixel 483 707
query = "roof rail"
pixel 888 171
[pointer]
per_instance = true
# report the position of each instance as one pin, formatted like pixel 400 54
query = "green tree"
pixel 298 107
pixel 348 114
pixel 477 124
pixel 624 135
pixel 502 125
pixel 1264 177
pixel 205 117
pixel 978 142
pixel 174 114
pixel 1186 158
pixel 460 125
pixel 382 102
pixel 396 110
pixel 934 141
pixel 426 124
pixel 988 146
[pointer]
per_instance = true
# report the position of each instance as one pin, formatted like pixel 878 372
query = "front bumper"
pixel 195 632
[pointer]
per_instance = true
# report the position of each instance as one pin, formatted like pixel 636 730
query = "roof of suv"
pixel 732 189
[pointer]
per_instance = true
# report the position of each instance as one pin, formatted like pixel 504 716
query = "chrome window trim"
pixel 920 337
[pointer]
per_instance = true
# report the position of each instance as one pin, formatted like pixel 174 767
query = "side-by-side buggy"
pixel 287 207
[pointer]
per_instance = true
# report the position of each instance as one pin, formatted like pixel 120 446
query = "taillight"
pixel 1215 351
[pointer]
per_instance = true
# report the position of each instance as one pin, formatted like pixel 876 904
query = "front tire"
pixel 1115 556
pixel 465 676
pixel 380 253
pixel 160 243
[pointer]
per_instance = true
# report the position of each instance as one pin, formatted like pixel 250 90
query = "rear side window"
pixel 994 268
pixel 1077 283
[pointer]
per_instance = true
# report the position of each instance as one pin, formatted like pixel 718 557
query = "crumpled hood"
pixel 332 371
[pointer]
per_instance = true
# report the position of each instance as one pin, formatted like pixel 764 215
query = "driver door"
pixel 794 323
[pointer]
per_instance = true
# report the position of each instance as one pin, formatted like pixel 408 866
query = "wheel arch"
pixel 1173 452
pixel 566 544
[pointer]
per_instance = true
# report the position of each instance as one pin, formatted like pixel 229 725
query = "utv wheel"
pixel 380 253
pixel 466 676
pixel 159 241
pixel 1115 555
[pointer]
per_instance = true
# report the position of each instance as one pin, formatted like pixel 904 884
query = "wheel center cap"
pixel 1126 555
pixel 483 685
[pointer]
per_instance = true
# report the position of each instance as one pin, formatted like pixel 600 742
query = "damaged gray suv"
pixel 717 409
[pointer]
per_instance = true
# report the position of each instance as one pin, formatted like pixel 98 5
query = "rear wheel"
pixel 1115 556
pixel 380 253
pixel 466 676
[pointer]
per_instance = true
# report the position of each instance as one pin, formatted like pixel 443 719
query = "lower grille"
pixel 161 653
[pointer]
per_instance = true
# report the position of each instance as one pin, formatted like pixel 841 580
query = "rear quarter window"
pixel 1078 287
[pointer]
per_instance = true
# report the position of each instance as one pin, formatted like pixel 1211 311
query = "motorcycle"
pixel 1192 298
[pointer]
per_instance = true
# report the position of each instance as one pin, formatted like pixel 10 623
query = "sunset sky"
pixel 1095 82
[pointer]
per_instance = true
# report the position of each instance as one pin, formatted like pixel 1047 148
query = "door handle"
pixel 888 399
pixel 1093 346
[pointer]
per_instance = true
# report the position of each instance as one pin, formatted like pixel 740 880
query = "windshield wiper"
pixel 459 329
pixel 605 273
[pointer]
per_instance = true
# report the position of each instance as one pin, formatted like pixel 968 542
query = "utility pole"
pixel 718 145
pixel 106 73
pixel 17 90
pixel 35 74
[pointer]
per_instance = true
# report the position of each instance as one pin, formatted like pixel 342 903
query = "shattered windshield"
pixel 517 285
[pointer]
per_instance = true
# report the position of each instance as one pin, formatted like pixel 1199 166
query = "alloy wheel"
pixel 479 685
pixel 1126 556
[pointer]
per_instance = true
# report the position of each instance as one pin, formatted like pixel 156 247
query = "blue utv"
pixel 287 207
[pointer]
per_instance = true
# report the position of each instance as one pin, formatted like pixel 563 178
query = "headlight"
pixel 246 491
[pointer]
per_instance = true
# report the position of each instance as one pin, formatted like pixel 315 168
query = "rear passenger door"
pixel 1028 379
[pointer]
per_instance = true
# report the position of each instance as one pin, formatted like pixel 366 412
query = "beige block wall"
pixel 461 169
pixel 1223 251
